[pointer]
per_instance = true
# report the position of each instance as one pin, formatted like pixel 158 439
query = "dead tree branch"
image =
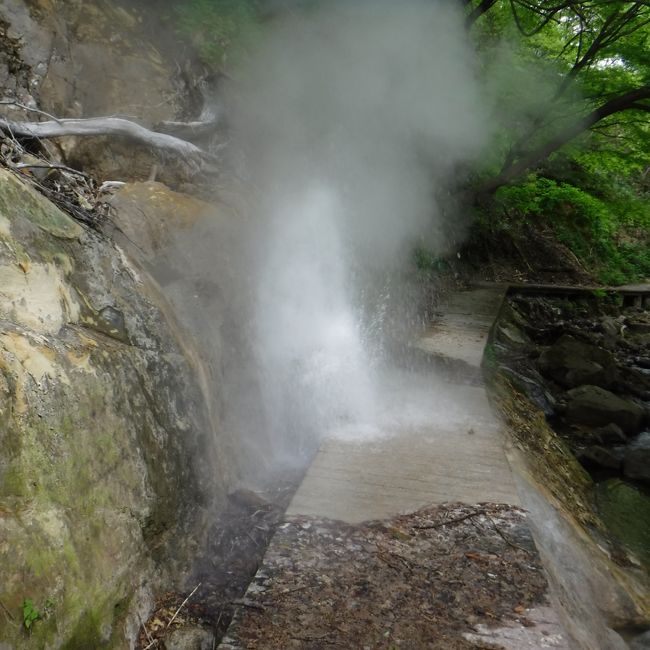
pixel 107 126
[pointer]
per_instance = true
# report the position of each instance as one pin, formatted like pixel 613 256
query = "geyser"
pixel 309 334
pixel 351 118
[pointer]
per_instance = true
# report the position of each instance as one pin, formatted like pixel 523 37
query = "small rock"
pixel 249 500
pixel 595 406
pixel 636 464
pixel 639 328
pixel 190 638
pixel 608 458
pixel 513 335
pixel 641 642
pixel 610 326
pixel 610 434
pixel 111 322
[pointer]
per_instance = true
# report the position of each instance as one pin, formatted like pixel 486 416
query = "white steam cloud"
pixel 352 118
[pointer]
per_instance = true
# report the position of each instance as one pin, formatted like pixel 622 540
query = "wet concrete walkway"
pixel 459 458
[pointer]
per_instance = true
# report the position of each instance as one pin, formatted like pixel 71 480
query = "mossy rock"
pixel 109 457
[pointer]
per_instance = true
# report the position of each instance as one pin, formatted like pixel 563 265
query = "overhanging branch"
pixel 631 100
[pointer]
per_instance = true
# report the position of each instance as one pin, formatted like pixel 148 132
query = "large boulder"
pixel 596 407
pixel 601 457
pixel 573 363
pixel 611 434
pixel 200 256
pixel 110 447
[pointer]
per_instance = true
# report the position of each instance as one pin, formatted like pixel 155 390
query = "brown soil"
pixel 532 254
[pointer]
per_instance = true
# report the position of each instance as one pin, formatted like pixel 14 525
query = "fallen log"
pixel 106 126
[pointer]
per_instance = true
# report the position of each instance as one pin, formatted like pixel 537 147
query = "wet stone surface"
pixel 223 569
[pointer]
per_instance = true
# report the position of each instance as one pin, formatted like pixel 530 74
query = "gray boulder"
pixel 610 434
pixel 594 406
pixel 190 638
pixel 572 363
pixel 636 464
pixel 607 458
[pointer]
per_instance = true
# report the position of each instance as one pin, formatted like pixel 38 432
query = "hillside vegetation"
pixel 567 97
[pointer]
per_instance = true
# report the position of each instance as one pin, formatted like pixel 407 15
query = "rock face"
pixel 93 59
pixel 595 406
pixel 109 456
pixel 196 252
pixel 573 363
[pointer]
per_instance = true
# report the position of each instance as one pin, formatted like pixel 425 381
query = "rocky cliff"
pixel 113 447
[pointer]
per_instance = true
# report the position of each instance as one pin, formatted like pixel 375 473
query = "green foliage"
pixel 220 30
pixel 548 65
pixel 427 262
pixel 30 613
pixel 608 231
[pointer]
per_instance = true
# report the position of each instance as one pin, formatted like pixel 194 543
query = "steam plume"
pixel 351 117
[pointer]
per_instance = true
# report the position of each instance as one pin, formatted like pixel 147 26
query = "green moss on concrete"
pixel 552 462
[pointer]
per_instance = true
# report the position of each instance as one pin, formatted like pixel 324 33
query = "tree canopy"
pixel 567 88
pixel 589 63
pixel 570 82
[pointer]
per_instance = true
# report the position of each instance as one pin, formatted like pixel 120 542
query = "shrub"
pixel 220 30
pixel 608 233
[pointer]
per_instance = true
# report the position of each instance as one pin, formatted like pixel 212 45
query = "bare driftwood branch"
pixel 9 102
pixel 101 126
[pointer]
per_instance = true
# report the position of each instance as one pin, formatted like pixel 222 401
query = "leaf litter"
pixel 421 580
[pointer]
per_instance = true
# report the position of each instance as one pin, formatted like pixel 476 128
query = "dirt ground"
pixel 531 255
pixel 415 581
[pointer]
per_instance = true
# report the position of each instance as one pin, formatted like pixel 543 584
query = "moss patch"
pixel 17 199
